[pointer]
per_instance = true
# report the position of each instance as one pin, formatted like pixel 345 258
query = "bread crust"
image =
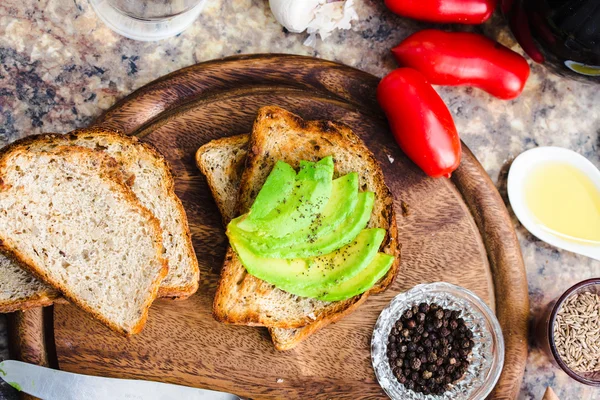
pixel 111 174
pixel 336 135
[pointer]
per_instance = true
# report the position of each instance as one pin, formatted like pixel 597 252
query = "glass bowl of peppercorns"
pixel 437 341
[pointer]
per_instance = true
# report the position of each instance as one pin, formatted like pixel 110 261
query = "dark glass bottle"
pixel 567 32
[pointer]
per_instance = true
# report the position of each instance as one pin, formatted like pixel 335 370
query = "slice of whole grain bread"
pixel 20 290
pixel 68 217
pixel 218 156
pixel 150 178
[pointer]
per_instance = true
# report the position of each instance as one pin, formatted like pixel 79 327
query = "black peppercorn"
pixel 407 314
pixel 415 363
pixel 424 307
pixel 445 351
pixel 405 332
pixel 437 324
pixel 403 348
pixel 431 357
pixel 421 317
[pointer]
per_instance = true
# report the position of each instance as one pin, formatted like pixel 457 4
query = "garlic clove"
pixel 295 15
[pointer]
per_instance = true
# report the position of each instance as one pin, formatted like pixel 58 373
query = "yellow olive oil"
pixel 565 202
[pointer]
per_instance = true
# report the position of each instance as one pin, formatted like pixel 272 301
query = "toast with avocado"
pixel 222 161
pixel 149 177
pixel 282 136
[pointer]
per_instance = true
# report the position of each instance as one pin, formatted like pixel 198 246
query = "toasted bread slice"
pixel 68 217
pixel 222 161
pixel 303 140
pixel 150 178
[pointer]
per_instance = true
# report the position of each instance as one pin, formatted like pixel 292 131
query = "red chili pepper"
pixel 462 58
pixel 444 11
pixel 420 121
pixel 519 25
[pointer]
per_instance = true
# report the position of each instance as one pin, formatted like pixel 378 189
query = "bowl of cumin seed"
pixel 573 332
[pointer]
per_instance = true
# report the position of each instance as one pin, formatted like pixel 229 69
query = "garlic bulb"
pixel 315 16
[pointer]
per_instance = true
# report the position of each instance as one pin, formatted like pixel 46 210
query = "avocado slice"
pixel 308 198
pixel 276 189
pixel 308 243
pixel 362 282
pixel 325 270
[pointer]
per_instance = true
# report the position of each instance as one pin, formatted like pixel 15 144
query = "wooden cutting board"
pixel 455 230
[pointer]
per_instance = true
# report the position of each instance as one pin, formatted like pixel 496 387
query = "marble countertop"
pixel 60 67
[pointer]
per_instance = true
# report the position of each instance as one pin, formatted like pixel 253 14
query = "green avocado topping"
pixel 306 233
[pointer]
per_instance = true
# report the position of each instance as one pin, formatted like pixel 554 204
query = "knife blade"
pixel 51 384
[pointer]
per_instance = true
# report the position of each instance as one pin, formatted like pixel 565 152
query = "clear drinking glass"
pixel 148 20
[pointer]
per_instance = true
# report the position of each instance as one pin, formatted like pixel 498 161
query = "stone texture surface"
pixel 60 67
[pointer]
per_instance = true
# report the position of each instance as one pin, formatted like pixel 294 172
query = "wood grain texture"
pixel 512 299
pixel 27 338
pixel 457 231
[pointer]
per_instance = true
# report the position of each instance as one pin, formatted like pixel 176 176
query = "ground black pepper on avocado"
pixel 429 348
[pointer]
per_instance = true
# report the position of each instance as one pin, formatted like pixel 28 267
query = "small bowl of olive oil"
pixel 555 194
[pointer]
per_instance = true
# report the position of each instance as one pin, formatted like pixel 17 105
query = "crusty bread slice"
pixel 150 178
pixel 222 162
pixel 20 290
pixel 68 217
pixel 289 138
